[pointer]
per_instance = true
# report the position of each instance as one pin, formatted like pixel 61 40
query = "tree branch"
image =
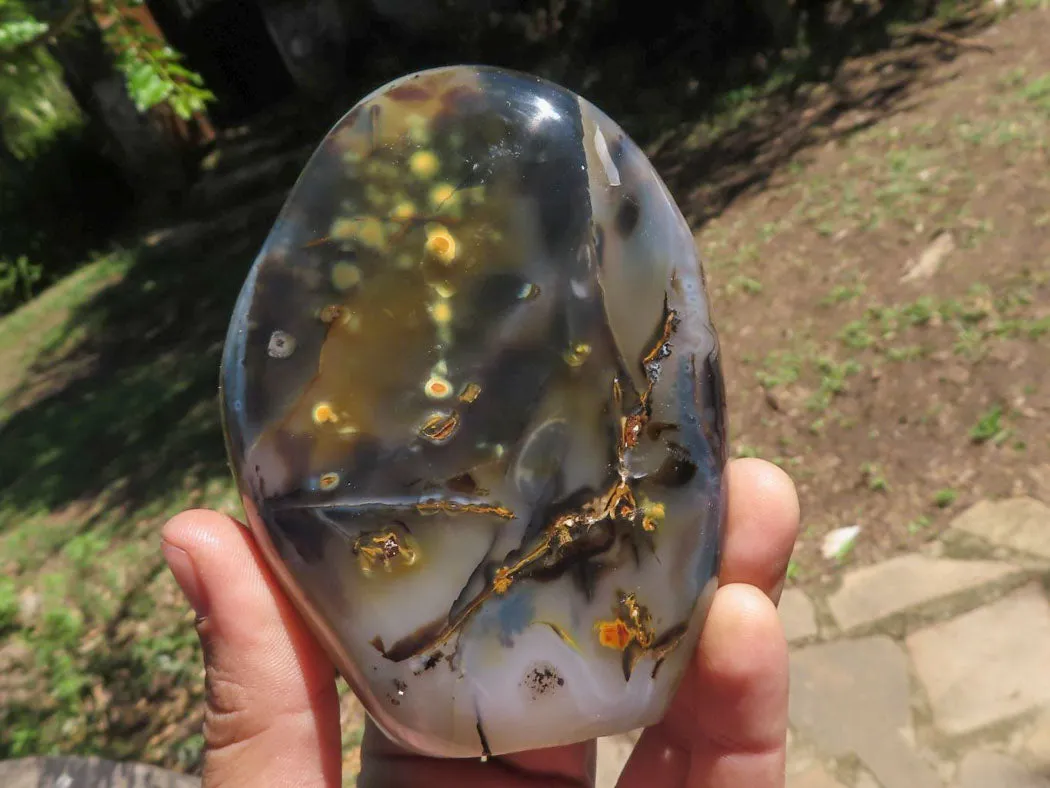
pixel 58 27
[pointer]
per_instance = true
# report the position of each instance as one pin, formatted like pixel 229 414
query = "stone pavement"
pixel 75 772
pixel 928 670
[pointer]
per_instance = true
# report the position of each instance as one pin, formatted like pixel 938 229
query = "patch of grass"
pixel 969 343
pixel 906 353
pixel 920 523
pixel 974 231
pixel 1036 329
pixel 189 751
pixel 920 312
pixel 1037 93
pixel 747 253
pixel 981 316
pixel 842 294
pixel 942 499
pixel 856 335
pixel 743 284
pixel 874 479
pixel 1019 122
pixel 8 604
pixel 989 427
pixel 780 368
pixel 833 381
pixel 768 231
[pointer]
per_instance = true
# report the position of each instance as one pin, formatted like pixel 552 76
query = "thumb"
pixel 272 715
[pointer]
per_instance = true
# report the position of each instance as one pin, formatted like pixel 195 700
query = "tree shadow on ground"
pixel 707 174
pixel 140 419
pixel 142 411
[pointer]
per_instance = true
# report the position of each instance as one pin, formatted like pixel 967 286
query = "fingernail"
pixel 186 576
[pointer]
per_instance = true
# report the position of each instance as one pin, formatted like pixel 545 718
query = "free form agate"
pixel 473 401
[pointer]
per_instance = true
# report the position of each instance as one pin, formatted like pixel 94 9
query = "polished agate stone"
pixel 473 400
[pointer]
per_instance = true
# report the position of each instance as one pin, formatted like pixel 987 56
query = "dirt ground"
pixel 884 301
pixel 878 249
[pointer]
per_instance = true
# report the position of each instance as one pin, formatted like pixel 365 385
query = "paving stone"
pixel 983 769
pixel 987 665
pixel 66 772
pixel 613 752
pixel 852 696
pixel 1040 476
pixel 905 582
pixel 796 615
pixel 1018 523
pixel 800 756
pixel 1037 741
pixel 813 777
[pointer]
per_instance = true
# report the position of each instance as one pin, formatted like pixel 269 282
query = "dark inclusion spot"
pixel 627 216
pixel 399 692
pixel 677 469
pixel 464 484
pixel 542 679
pixel 598 239
pixel 431 660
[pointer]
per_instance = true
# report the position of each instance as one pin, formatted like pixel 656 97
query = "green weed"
pixel 743 284
pixel 875 480
pixel 1037 92
pixel 8 604
pixel 780 368
pixel 833 381
pixel 989 427
pixel 920 523
pixel 942 499
pixel 856 335
pixel 842 294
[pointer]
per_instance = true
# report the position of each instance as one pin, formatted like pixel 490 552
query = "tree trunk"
pixel 147 159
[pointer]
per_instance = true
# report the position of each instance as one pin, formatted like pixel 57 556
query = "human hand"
pixel 272 714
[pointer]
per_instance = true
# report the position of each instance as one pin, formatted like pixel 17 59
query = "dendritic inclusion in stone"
pixel 473 401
